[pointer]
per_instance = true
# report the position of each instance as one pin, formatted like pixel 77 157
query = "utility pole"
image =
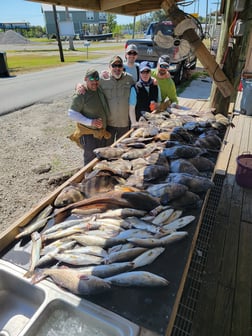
pixel 58 34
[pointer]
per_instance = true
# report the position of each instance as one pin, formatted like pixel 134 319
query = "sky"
pixel 26 11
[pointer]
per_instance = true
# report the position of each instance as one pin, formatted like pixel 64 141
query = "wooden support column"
pixel 202 53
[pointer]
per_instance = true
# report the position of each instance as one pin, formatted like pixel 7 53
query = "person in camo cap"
pixel 90 111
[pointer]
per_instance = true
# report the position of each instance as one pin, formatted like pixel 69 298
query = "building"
pixel 84 21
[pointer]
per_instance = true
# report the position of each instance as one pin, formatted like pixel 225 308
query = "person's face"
pixel 145 75
pixel 116 69
pixel 92 82
pixel 131 56
pixel 162 69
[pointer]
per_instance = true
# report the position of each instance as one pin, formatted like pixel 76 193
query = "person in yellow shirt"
pixel 165 82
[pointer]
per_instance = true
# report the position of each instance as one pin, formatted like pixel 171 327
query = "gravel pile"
pixel 12 37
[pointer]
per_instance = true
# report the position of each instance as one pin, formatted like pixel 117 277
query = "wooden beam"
pixel 200 49
pixel 107 5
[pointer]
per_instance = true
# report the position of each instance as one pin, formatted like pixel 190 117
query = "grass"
pixel 30 60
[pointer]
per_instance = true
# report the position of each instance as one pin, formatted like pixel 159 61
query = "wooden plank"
pixel 185 272
pixel 247 208
pixel 223 159
pixel 241 322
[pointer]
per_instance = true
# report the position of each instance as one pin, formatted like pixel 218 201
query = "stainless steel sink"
pixel 45 309
pixel 63 319
pixel 19 300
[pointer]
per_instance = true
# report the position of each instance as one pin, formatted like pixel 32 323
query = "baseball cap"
pixel 131 47
pixel 115 59
pixel 144 66
pixel 165 59
pixel 92 73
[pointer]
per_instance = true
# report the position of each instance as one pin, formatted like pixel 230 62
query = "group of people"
pixel 106 106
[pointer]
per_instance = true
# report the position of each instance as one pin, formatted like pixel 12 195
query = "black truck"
pixel 159 40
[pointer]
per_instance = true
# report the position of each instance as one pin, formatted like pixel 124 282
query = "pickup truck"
pixel 182 59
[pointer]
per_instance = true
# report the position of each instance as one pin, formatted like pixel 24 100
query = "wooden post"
pixel 200 49
pixel 235 58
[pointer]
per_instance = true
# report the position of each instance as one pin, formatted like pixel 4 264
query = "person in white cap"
pixel 145 95
pixel 164 80
pixel 130 65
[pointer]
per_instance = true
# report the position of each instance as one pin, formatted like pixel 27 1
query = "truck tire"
pixel 179 74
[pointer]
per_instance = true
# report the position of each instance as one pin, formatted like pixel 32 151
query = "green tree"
pixel 111 22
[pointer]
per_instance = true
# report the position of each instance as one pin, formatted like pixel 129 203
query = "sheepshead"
pixel 158 242
pixel 168 191
pixel 99 184
pixel 152 172
pixel 138 152
pixel 212 142
pixel 37 223
pixel 147 257
pixel 202 163
pixel 109 153
pixel 157 158
pixel 104 271
pixel 68 195
pixel 179 223
pixel 186 201
pixel 182 151
pixel 120 167
pixel 35 253
pixel 183 166
pixel 137 278
pixel 196 184
pixel 73 281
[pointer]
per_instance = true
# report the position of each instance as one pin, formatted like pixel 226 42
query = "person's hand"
pixel 97 123
pixel 105 74
pixel 80 89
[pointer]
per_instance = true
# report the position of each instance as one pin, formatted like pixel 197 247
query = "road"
pixel 27 89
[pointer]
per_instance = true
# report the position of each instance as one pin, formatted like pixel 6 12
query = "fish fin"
pixel 83 277
pixel 28 274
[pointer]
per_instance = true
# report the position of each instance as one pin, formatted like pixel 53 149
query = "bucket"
pixel 243 174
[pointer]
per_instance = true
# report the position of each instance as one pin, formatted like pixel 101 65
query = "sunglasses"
pixel 116 65
pixel 145 71
pixel 132 53
pixel 92 78
pixel 163 66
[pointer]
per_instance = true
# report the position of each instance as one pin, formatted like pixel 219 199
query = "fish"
pixel 104 271
pixel 92 250
pixel 122 212
pixel 179 223
pixel 183 166
pixel 158 242
pixel 78 259
pixel 196 184
pixel 143 225
pixel 182 151
pixel 212 142
pixel 124 255
pixel 66 224
pixel 73 281
pixel 99 184
pixel 163 216
pixel 37 223
pixel 49 256
pixel 138 152
pixel 108 153
pixel 147 257
pixel 168 191
pixel 68 195
pixel 186 201
pixel 35 253
pixel 137 278
pixel 202 163
pixel 152 172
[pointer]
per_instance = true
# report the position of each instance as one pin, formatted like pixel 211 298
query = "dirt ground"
pixel 34 152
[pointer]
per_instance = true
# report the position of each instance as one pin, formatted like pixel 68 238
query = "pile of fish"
pixel 126 211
